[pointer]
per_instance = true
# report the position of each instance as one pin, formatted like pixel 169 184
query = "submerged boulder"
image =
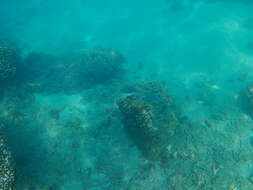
pixel 150 118
pixel 100 66
pixel 9 59
pixel 6 166
pixel 74 72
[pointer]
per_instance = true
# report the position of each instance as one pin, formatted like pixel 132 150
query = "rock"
pixel 149 118
pixel 6 166
pixel 9 59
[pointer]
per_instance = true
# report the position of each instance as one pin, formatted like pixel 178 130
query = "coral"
pixel 8 61
pixel 6 166
pixel 138 114
pixel 100 66
pixel 149 118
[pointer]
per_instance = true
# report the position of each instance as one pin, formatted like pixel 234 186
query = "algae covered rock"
pixel 149 118
pixel 8 61
pixel 6 166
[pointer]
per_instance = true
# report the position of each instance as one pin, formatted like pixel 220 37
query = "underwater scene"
pixel 126 95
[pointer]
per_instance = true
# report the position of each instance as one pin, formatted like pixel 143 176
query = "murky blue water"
pixel 84 83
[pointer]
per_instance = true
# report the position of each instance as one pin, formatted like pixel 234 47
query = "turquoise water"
pixel 152 95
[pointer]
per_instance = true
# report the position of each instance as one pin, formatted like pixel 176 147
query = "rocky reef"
pixel 73 72
pixel 100 66
pixel 9 59
pixel 6 166
pixel 150 118
pixel 249 93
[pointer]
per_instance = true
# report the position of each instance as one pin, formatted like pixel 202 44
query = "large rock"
pixel 100 66
pixel 72 73
pixel 150 118
pixel 9 59
pixel 6 166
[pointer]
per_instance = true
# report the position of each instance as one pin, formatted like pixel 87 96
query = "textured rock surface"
pixel 100 66
pixel 8 61
pixel 6 166
pixel 149 119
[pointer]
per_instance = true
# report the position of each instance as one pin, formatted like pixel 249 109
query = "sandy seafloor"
pixel 202 51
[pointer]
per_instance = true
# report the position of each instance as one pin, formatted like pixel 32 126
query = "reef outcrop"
pixel 249 94
pixel 100 66
pixel 72 73
pixel 150 118
pixel 6 166
pixel 9 59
